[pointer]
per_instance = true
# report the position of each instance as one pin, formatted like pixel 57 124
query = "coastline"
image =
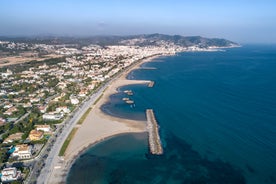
pixel 99 126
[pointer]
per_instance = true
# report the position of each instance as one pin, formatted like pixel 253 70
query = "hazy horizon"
pixel 239 21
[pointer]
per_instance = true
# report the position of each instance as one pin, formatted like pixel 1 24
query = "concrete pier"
pixel 154 138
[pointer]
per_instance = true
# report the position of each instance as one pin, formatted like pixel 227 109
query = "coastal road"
pixel 54 162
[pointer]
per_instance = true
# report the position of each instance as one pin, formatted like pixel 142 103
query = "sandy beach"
pixel 98 126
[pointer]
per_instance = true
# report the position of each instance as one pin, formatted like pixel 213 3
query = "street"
pixel 52 162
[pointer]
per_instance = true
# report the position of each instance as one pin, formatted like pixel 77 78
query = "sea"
pixel 217 118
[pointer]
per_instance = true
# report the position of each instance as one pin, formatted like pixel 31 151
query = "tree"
pixel 14 130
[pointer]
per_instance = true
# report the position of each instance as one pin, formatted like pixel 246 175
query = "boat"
pixel 130 102
pixel 128 92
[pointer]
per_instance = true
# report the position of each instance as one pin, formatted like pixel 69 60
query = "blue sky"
pixel 243 21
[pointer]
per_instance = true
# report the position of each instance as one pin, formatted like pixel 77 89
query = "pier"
pixel 154 138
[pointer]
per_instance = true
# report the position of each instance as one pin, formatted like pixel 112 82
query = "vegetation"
pixel 98 99
pixel 3 155
pixel 84 116
pixel 25 66
pixel 67 141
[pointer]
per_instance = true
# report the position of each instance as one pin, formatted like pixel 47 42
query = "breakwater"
pixel 155 145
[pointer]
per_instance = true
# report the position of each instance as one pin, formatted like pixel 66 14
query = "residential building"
pixel 34 100
pixel 7 74
pixel 22 151
pixel 2 121
pixel 82 93
pixel 10 111
pixel 63 109
pixel 36 135
pixel 43 108
pixel 52 116
pixel 44 128
pixel 13 137
pixel 74 101
pixel 10 174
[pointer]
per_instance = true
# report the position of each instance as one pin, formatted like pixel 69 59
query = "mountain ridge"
pixel 135 40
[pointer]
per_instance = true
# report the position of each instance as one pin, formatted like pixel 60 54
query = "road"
pixel 53 161
pixel 22 117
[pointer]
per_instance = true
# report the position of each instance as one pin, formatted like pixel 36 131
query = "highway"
pixel 53 160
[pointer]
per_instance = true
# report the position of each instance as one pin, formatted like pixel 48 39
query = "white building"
pixel 10 174
pixel 63 109
pixel 7 74
pixel 74 101
pixel 44 128
pixel 52 116
pixel 22 151
pixel 43 108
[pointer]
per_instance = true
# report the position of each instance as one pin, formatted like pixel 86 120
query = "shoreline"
pixel 100 126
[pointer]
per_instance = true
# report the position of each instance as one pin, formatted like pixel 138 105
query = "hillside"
pixel 138 40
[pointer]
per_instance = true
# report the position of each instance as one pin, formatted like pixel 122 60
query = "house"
pixel 13 137
pixel 10 111
pixel 7 74
pixel 56 99
pixel 8 106
pixel 2 121
pixel 10 174
pixel 22 151
pixel 83 93
pixel 44 128
pixel 63 109
pixel 43 108
pixel 36 135
pixel 17 100
pixel 52 116
pixel 91 86
pixel 74 100
pixel 34 100
pixel 62 85
pixel 26 105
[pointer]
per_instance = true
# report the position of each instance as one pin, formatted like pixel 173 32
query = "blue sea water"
pixel 217 116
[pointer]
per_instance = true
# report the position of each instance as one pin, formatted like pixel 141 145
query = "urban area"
pixel 42 85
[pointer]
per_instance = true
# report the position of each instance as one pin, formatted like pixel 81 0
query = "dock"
pixel 151 84
pixel 155 144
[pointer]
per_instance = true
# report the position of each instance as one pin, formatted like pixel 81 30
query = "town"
pixel 43 85
pixel 38 97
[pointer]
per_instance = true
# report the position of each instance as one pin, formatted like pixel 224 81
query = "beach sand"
pixel 98 126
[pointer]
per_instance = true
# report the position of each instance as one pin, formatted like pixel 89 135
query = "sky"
pixel 243 21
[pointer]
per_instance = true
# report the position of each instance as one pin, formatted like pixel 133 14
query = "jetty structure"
pixel 155 144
